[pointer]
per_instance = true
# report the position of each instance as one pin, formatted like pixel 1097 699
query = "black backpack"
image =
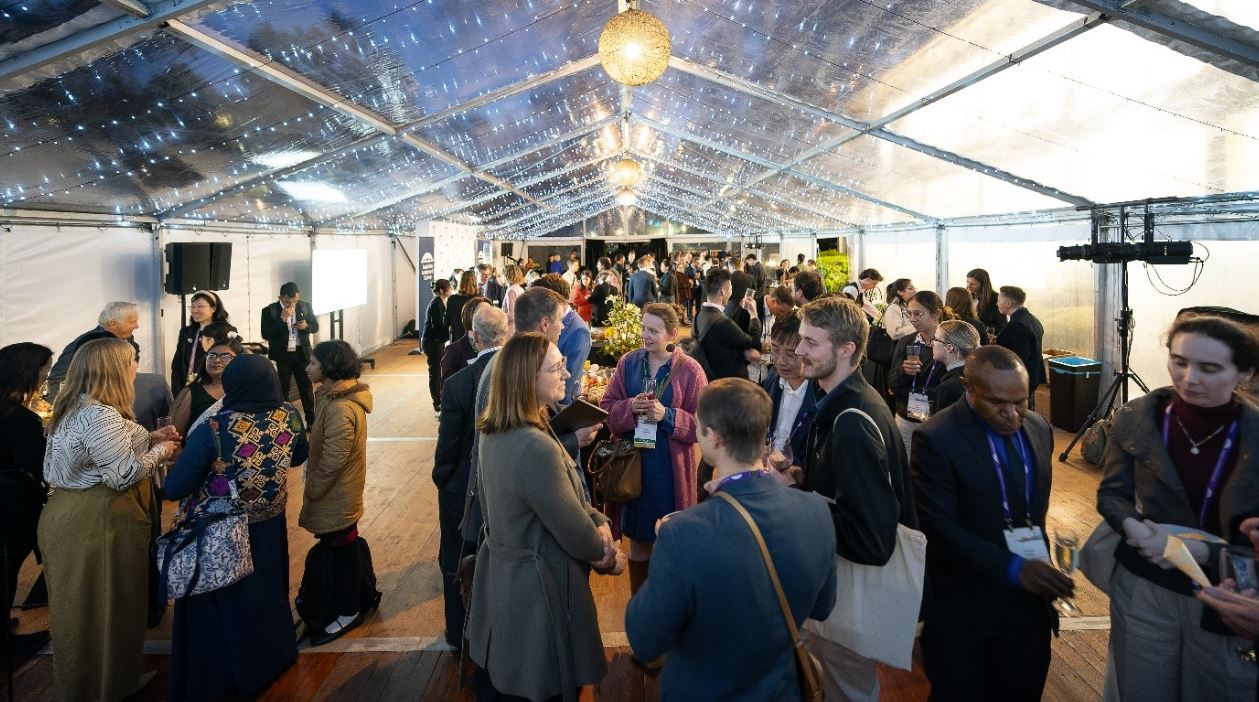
pixel 314 597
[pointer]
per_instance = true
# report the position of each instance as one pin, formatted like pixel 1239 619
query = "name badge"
pixel 645 434
pixel 919 406
pixel 1027 543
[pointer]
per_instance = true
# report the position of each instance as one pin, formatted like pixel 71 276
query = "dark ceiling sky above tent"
pixel 796 115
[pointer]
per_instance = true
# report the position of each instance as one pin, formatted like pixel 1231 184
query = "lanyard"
pixel 913 386
pixel 1214 483
pixel 1027 477
pixel 192 357
pixel 758 473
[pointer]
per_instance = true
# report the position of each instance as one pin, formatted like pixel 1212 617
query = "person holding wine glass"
pixel 652 399
pixel 794 400
pixel 915 375
pixel 1181 457
pixel 982 476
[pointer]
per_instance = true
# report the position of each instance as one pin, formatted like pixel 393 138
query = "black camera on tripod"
pixel 1161 252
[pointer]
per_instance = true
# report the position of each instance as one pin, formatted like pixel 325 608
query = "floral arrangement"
pixel 625 328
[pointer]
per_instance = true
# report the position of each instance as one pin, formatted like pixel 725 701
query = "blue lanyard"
pixel 913 388
pixel 1027 476
pixel 1218 472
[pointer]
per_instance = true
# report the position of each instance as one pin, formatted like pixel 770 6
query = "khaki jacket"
pixel 337 470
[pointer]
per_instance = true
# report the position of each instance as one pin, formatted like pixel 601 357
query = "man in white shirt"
pixel 794 404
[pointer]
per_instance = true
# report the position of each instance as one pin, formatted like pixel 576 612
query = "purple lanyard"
pixel 192 358
pixel 913 388
pixel 1217 473
pixel 739 476
pixel 1027 477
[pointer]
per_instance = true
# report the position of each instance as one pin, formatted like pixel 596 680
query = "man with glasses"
pixel 789 390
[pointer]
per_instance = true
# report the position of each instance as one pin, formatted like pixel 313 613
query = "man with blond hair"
pixel 118 319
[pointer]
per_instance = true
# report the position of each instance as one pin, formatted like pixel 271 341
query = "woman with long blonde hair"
pixel 95 530
pixel 515 288
pixel 533 630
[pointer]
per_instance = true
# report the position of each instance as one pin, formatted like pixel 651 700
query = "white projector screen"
pixel 339 279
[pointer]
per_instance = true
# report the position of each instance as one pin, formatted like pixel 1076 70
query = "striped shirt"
pixel 95 445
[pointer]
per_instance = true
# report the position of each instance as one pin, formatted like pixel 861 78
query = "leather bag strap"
pixel 797 644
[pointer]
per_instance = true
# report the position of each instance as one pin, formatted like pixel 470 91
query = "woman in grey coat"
pixel 533 630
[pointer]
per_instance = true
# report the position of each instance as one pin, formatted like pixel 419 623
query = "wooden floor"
pixel 398 653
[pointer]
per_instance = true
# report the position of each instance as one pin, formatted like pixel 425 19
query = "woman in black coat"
pixel 436 334
pixel 23 369
pixel 599 300
pixel 204 308
pixel 980 287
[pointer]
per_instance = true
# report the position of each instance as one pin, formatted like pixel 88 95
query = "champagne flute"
pixel 159 475
pixel 1067 554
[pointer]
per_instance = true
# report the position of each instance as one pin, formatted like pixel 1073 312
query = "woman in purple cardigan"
pixel 671 459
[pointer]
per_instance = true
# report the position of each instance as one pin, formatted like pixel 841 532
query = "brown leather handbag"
pixel 616 471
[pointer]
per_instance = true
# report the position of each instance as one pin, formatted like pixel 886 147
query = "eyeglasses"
pixel 783 355
pixel 225 357
pixel 915 314
pixel 557 369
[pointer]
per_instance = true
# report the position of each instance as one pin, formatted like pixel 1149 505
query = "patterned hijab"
pixel 251 385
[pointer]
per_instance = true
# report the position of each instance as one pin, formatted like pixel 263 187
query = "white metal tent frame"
pixel 528 214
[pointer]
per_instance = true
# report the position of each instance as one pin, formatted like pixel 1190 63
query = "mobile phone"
pixel 749 293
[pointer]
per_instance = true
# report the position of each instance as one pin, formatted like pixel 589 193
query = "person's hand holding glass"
pixel 913 361
pixel 1236 598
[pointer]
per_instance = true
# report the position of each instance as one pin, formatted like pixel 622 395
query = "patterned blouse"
pixel 95 445
pixel 260 448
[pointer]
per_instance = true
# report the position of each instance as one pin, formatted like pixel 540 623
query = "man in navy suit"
pixel 795 402
pixel 287 325
pixel 982 473
pixel 709 603
pixel 1023 335
pixel 452 460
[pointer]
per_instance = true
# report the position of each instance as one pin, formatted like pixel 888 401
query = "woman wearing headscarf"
pixel 238 639
pixel 95 530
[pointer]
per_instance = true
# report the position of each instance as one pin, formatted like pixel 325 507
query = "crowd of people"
pixel 806 472
pixel 874 427
pixel 83 481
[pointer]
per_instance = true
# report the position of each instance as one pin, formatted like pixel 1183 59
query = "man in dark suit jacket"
pixel 855 459
pixel 642 287
pixel 452 461
pixel 726 348
pixel 794 398
pixel 709 603
pixel 287 325
pixel 1023 335
pixel 982 472
pixel 740 282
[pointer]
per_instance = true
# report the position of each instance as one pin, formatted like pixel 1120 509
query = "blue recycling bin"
pixel 1074 383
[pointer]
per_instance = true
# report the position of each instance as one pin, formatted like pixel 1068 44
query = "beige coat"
pixel 337 469
pixel 533 623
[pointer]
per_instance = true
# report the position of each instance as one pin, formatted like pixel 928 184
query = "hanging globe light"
pixel 634 47
pixel 626 173
pixel 626 198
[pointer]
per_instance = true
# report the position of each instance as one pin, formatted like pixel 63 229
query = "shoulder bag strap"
pixel 877 431
pixel 806 665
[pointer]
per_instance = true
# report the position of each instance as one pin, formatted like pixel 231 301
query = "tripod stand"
pixel 1118 386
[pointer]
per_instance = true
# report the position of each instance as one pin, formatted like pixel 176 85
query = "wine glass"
pixel 780 459
pixel 1067 554
pixel 649 389
pixel 159 476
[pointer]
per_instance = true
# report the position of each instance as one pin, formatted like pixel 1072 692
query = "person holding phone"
pixel 652 400
pixel 287 325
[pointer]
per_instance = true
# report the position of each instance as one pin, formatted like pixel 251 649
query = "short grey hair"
pixel 117 311
pixel 489 326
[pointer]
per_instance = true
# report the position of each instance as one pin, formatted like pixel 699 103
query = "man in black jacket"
pixel 287 325
pixel 456 430
pixel 856 460
pixel 741 280
pixel 117 320
pixel 982 473
pixel 1022 335
pixel 726 349
pixel 436 334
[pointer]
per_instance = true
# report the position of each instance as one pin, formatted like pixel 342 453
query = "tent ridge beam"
pixel 92 37
pixel 322 95
pixel 1177 29
pixel 1041 45
pixel 766 163
pixel 785 100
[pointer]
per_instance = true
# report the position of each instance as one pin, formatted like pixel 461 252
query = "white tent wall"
pixel 55 279
pixel 790 246
pixel 261 263
pixel 900 254
pixel 404 280
pixel 370 326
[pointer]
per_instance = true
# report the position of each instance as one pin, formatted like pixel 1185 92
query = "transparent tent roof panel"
pixel 168 121
pixel 21 19
pixel 603 143
pixel 260 204
pixel 860 58
pixel 1085 118
pixel 408 60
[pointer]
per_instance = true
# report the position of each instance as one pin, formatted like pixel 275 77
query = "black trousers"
pixel 485 691
pixel 347 572
pixel 1007 666
pixel 292 364
pixel 433 352
pixel 450 549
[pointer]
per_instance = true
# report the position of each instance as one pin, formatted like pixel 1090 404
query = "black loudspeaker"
pixel 504 249
pixel 194 266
